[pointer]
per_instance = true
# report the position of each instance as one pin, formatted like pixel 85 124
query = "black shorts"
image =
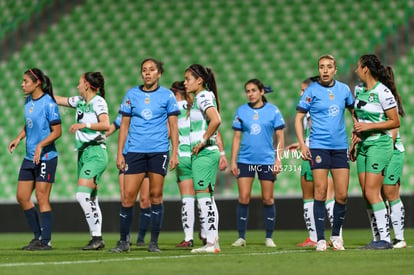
pixel 329 159
pixel 136 163
pixel 264 172
pixel 43 172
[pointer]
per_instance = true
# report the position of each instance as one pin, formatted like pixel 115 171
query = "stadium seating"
pixel 276 41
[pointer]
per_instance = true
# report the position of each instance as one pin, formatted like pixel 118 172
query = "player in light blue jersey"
pixel 255 124
pixel 326 101
pixel 145 110
pixel 92 121
pixel 204 122
pixel 306 181
pixel 41 129
pixel 144 217
pixel 376 109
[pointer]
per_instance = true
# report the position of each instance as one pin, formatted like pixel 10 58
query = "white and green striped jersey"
pixel 199 121
pixel 88 113
pixel 370 107
pixel 183 130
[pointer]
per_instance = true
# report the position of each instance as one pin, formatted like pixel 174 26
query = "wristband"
pixel 203 141
pixel 222 153
pixel 88 125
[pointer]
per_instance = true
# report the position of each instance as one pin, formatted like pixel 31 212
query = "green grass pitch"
pixel 67 258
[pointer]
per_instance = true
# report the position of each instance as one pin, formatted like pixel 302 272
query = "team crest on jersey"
pixel 255 129
pixel 256 116
pixel 371 98
pixel 318 159
pixel 147 100
pixel 146 114
pixel 29 123
pixel 31 110
pixel 331 96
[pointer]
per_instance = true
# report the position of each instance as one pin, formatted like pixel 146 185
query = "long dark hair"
pixel 96 82
pixel 259 85
pixel 36 74
pixel 383 74
pixel 209 80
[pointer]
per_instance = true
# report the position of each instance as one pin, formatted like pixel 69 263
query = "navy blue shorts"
pixel 264 172
pixel 43 172
pixel 137 163
pixel 329 159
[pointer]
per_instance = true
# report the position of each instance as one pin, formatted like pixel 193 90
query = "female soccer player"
pixel 326 100
pixel 92 121
pixel 41 129
pixel 255 123
pixel 204 122
pixel 145 111
pixel 306 182
pixel 144 195
pixel 376 109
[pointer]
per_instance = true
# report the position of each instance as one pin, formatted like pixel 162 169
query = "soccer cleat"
pixel 399 243
pixel 185 244
pixel 269 243
pixel 31 244
pixel 321 245
pixel 307 243
pixel 203 240
pixel 239 242
pixel 208 248
pixel 140 243
pixel 337 243
pixel 95 244
pixel 376 245
pixel 153 247
pixel 121 246
pixel 36 246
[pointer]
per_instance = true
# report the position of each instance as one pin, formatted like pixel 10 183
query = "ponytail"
pixel 96 82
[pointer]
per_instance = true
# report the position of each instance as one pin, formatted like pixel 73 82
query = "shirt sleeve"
pixel 279 122
pixel 305 101
pixel 205 100
pixel 52 114
pixel 350 100
pixel 73 101
pixel 100 106
pixel 237 122
pixel 387 99
pixel 126 107
pixel 172 105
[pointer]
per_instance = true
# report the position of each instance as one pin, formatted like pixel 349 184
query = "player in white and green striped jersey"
pixel 204 122
pixel 376 110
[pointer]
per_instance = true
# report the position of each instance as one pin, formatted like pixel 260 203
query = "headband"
pixel 34 75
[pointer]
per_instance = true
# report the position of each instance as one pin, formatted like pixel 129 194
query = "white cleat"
pixel 239 242
pixel 321 245
pixel 208 248
pixel 337 243
pixel 269 243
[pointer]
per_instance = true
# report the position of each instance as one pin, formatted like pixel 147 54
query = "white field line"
pixel 140 258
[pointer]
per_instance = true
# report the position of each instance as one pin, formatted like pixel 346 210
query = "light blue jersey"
pixel 257 126
pixel 326 106
pixel 40 114
pixel 149 111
